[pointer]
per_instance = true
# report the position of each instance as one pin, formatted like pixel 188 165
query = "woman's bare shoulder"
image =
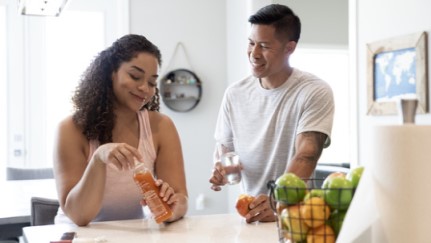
pixel 159 119
pixel 67 122
pixel 162 128
pixel 69 129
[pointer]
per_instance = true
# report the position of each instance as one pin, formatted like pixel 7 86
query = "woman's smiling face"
pixel 135 82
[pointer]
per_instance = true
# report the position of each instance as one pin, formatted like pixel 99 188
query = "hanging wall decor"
pixel 180 88
pixel 397 69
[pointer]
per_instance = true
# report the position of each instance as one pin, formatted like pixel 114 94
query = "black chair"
pixel 28 173
pixel 43 210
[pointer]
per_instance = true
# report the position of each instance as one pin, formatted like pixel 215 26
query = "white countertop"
pixel 15 203
pixel 223 228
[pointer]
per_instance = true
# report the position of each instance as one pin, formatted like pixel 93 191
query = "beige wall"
pixel 200 27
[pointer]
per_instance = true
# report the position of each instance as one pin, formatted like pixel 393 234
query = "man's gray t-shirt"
pixel 264 123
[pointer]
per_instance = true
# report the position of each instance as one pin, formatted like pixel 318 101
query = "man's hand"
pixel 219 173
pixel 260 210
pixel 218 177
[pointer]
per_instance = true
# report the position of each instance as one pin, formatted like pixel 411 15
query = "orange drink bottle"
pixel 145 180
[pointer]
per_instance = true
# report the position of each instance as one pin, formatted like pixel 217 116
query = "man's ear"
pixel 290 47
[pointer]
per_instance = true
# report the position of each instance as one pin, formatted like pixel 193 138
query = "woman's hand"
pixel 120 155
pixel 166 192
pixel 176 201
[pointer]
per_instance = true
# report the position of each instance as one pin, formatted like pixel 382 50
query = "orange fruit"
pixel 292 221
pixel 315 211
pixel 242 204
pixel 322 234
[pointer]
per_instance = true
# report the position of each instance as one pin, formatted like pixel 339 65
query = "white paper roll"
pixel 401 170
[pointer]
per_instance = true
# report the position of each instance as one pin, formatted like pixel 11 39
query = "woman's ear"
pixel 114 76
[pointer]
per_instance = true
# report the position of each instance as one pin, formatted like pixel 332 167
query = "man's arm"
pixel 308 147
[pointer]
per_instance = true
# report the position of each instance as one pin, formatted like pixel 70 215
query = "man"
pixel 280 117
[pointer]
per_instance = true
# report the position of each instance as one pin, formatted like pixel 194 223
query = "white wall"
pixel 375 22
pixel 322 22
pixel 201 27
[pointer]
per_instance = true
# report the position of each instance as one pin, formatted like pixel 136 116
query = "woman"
pixel 116 124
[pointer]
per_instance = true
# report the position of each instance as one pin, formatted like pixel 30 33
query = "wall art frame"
pixel 397 68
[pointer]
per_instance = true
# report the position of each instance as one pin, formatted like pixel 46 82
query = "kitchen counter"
pixel 206 228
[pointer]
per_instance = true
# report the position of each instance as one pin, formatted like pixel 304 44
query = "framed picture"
pixel 397 68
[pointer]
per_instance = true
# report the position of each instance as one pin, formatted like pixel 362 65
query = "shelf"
pixel 181 99
pixel 178 84
pixel 180 90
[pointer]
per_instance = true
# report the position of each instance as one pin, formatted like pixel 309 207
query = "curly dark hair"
pixel 94 97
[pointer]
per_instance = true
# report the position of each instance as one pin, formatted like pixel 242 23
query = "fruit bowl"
pixel 316 215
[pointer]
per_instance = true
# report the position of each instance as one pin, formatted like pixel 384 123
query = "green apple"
pixel 290 189
pixel 332 175
pixel 315 193
pixel 295 225
pixel 354 175
pixel 336 220
pixel 338 193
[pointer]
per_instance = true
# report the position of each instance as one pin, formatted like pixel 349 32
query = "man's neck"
pixel 273 82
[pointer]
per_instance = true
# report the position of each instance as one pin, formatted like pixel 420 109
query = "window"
pixel 332 65
pixel 46 57
pixel 65 64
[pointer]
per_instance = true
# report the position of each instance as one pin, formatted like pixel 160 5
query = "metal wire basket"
pixel 316 218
